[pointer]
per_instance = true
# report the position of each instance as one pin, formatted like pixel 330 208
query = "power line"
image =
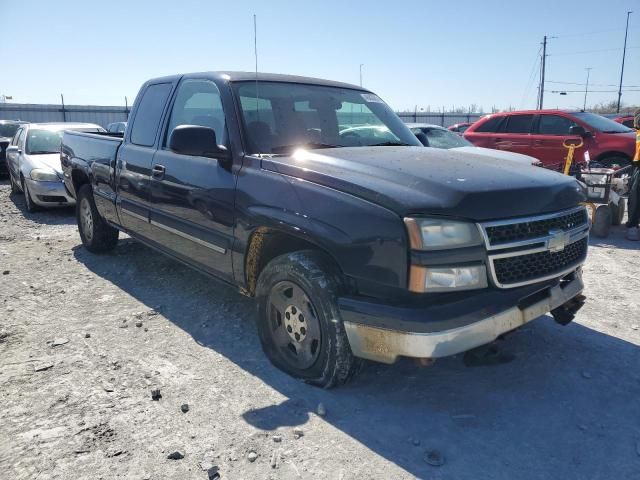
pixel 597 32
pixel 593 84
pixel 590 51
pixel 534 70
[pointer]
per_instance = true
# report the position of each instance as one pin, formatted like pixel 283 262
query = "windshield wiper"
pixel 390 144
pixel 42 152
pixel 311 145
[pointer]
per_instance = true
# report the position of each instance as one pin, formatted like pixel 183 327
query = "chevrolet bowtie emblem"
pixel 558 240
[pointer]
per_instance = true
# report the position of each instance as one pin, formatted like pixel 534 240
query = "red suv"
pixel 541 134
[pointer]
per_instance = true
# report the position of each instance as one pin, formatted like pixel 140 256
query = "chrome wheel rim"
pixel 293 325
pixel 86 219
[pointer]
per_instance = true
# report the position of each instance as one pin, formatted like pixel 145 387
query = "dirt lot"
pixel 85 338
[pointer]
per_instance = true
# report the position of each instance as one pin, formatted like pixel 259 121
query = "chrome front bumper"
pixel 49 194
pixel 385 345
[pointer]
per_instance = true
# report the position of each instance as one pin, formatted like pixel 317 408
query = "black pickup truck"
pixel 313 197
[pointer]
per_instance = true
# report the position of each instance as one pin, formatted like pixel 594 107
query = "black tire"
pixel 14 186
pixel 602 221
pixel 28 200
pixel 617 211
pixel 314 283
pixel 610 162
pixel 96 234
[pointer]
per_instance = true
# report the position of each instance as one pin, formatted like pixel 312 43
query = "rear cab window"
pixel 149 113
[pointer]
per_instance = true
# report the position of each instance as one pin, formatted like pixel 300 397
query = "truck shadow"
pixel 566 407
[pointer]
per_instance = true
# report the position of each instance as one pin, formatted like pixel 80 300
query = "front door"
pixel 515 134
pixel 548 139
pixel 133 165
pixel 192 197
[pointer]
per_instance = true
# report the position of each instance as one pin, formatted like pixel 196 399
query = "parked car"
pixel 541 134
pixel 117 127
pixel 460 128
pixel 626 120
pixel 353 247
pixel 33 160
pixel 439 137
pixel 8 129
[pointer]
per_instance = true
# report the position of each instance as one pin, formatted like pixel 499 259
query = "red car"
pixel 626 120
pixel 541 134
pixel 459 128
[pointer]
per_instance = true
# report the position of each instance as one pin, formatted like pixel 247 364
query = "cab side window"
pixel 554 125
pixel 149 114
pixel 491 125
pixel 198 102
pixel 518 124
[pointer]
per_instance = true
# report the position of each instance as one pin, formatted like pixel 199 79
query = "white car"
pixel 438 137
pixel 33 161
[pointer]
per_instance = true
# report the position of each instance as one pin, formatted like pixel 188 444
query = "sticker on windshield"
pixel 371 98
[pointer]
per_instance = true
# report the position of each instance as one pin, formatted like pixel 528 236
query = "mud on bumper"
pixel 384 334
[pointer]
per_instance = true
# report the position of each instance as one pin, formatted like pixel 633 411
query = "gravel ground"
pixel 84 339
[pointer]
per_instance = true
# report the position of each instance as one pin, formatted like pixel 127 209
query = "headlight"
pixel 436 234
pixel 446 279
pixel 42 175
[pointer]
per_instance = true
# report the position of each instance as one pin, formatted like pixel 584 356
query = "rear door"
pixel 484 133
pixel 13 154
pixel 192 197
pixel 515 134
pixel 135 156
pixel 547 140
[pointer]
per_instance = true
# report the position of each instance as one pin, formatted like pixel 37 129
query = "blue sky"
pixel 427 53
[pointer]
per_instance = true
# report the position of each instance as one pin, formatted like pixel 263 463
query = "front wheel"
pixel 96 234
pixel 28 200
pixel 299 321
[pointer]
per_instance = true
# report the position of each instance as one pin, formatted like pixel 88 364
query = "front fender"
pixel 368 241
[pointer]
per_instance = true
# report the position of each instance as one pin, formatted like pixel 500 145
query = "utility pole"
pixel 64 112
pixel 361 65
pixel 542 72
pixel 586 88
pixel 624 53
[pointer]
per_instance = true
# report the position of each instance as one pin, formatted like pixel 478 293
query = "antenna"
pixel 255 52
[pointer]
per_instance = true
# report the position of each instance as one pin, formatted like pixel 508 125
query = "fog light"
pixel 442 279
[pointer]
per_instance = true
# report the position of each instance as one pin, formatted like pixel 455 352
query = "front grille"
pixel 536 266
pixel 516 232
pixel 52 198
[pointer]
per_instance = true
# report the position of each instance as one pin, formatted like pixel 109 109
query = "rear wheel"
pixel 299 321
pixel 602 221
pixel 96 234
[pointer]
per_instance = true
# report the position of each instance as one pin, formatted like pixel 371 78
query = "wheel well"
pixel 78 178
pixel 612 154
pixel 266 244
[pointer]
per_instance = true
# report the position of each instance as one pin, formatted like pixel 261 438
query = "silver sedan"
pixel 33 161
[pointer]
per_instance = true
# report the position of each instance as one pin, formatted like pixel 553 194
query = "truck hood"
pixel 430 181
pixel 489 152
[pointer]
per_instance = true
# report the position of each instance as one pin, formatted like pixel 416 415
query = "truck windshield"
pixel 279 117
pixel 601 123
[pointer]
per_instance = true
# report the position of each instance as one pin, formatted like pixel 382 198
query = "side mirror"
pixel 13 148
pixel 579 131
pixel 423 138
pixel 197 141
